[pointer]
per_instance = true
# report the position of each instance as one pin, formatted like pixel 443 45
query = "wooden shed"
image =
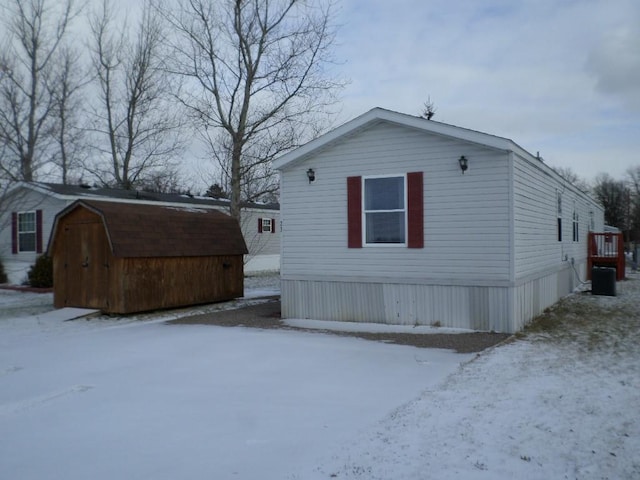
pixel 124 258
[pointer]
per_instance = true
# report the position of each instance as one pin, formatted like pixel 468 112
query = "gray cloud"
pixel 615 63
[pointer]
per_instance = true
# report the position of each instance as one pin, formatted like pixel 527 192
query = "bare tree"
pixel 256 71
pixel 633 177
pixel 68 98
pixel 138 126
pixel 614 196
pixel 573 178
pixel 35 31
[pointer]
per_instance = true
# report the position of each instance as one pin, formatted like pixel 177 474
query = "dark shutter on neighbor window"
pixel 415 210
pixel 354 211
pixel 38 231
pixel 273 225
pixel 259 225
pixel 14 232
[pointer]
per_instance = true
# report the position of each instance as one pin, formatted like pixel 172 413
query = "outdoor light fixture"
pixel 311 175
pixel 464 163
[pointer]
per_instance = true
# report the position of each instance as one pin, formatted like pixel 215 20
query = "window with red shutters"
pixel 382 215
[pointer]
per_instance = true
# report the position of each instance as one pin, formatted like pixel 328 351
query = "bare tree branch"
pixel 257 77
pixel 138 125
pixel 35 32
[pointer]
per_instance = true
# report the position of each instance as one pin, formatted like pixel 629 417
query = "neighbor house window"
pixel 576 227
pixel 384 210
pixel 27 232
pixel 266 225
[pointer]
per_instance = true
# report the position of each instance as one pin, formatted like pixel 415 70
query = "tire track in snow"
pixel 14 408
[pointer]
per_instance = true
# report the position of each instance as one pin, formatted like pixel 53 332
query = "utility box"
pixel 603 281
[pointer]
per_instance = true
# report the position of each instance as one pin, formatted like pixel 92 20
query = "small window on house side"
pixel 559 196
pixel 576 227
pixel 384 210
pixel 266 225
pixel 27 232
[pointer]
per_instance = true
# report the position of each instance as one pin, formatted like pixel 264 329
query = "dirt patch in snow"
pixel 267 315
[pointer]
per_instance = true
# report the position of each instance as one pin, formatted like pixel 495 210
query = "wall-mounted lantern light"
pixel 311 175
pixel 464 163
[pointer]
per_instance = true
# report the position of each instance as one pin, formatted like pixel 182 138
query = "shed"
pixel 124 258
pixel 392 218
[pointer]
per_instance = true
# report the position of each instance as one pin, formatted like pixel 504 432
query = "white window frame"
pixel 20 232
pixel 266 225
pixel 364 211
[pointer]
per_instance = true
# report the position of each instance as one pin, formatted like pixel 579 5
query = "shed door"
pixel 86 256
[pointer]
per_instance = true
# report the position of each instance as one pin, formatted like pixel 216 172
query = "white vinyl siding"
pixel 465 234
pixel 491 258
pixel 540 200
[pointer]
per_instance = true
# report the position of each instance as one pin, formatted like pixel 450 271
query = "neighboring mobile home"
pixel 396 219
pixel 29 208
pixel 123 258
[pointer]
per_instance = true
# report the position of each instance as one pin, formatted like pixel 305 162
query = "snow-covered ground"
pixel 136 398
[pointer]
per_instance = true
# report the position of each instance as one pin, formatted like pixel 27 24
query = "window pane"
pixel 27 222
pixel 386 227
pixel 27 242
pixel 384 193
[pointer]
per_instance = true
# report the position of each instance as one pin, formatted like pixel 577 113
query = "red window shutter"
pixel 38 231
pixel 415 210
pixel 259 225
pixel 14 232
pixel 273 225
pixel 354 211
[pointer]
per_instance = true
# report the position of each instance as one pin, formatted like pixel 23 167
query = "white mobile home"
pixel 29 209
pixel 396 219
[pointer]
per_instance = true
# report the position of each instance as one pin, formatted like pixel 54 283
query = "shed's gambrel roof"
pixel 140 230
pixel 380 115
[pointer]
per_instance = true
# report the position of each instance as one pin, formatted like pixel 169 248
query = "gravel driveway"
pixel 267 315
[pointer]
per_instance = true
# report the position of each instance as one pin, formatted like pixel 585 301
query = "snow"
pixel 258 264
pixel 135 397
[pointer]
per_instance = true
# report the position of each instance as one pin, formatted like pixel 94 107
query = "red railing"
pixel 606 250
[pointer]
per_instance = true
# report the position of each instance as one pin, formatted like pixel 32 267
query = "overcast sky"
pixel 561 77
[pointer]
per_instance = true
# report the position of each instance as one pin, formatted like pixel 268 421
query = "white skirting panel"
pixel 477 308
pixel 486 308
pixel 534 296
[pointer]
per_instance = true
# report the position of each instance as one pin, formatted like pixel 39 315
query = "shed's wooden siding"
pixel 87 273
pixel 140 284
pixel 466 223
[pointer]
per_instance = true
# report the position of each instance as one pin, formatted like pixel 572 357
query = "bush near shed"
pixel 41 273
